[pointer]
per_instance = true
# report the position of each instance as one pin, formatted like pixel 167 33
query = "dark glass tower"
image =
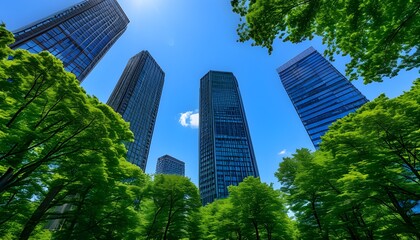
pixel 170 165
pixel 136 97
pixel 226 152
pixel 319 93
pixel 79 35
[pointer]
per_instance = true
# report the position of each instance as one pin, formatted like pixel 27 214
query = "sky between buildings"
pixel 188 38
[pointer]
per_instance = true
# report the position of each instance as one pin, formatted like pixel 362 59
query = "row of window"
pixel 141 109
pixel 53 18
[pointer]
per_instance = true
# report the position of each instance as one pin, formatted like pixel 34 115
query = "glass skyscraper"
pixel 79 35
pixel 319 92
pixel 226 152
pixel 170 165
pixel 136 97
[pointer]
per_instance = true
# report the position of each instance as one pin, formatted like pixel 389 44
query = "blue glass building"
pixel 79 35
pixel 136 97
pixel 226 152
pixel 170 165
pixel 319 93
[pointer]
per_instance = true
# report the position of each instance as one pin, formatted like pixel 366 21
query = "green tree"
pixel 261 210
pixel 47 118
pixel 173 201
pixel 379 36
pixel 379 145
pixel 220 220
pixel 253 210
pixel 106 209
pixel 319 201
pixel 195 231
pixel 60 147
pixel 364 181
pixel 304 196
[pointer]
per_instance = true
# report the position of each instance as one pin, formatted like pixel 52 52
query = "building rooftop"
pixel 296 59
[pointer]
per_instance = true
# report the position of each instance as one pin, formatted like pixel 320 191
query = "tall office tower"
pixel 170 165
pixel 226 152
pixel 79 35
pixel 136 97
pixel 319 93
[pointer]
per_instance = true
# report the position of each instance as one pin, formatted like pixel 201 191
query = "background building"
pixel 79 35
pixel 136 97
pixel 318 91
pixel 170 165
pixel 226 152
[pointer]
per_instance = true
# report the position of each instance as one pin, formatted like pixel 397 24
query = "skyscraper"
pixel 79 35
pixel 319 93
pixel 136 97
pixel 226 152
pixel 170 165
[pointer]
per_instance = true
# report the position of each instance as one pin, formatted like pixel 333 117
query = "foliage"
pixel 60 149
pixel 315 198
pixel 381 37
pixel 220 221
pixel 380 146
pixel 170 209
pixel 254 210
pixel 364 181
pixel 107 210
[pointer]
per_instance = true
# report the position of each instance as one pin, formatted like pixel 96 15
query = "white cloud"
pixel 189 119
pixel 184 117
pixel 194 120
pixel 282 152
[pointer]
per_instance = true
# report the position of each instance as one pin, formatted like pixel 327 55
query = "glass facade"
pixel 319 93
pixel 226 152
pixel 136 97
pixel 79 35
pixel 170 165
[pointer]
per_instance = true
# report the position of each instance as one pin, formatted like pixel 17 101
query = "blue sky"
pixel 188 38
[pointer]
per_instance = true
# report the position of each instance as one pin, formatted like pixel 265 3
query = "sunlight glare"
pixel 142 3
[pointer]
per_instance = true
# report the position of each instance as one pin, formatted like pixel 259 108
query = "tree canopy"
pixel 381 37
pixel 170 209
pixel 253 210
pixel 62 154
pixel 364 181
